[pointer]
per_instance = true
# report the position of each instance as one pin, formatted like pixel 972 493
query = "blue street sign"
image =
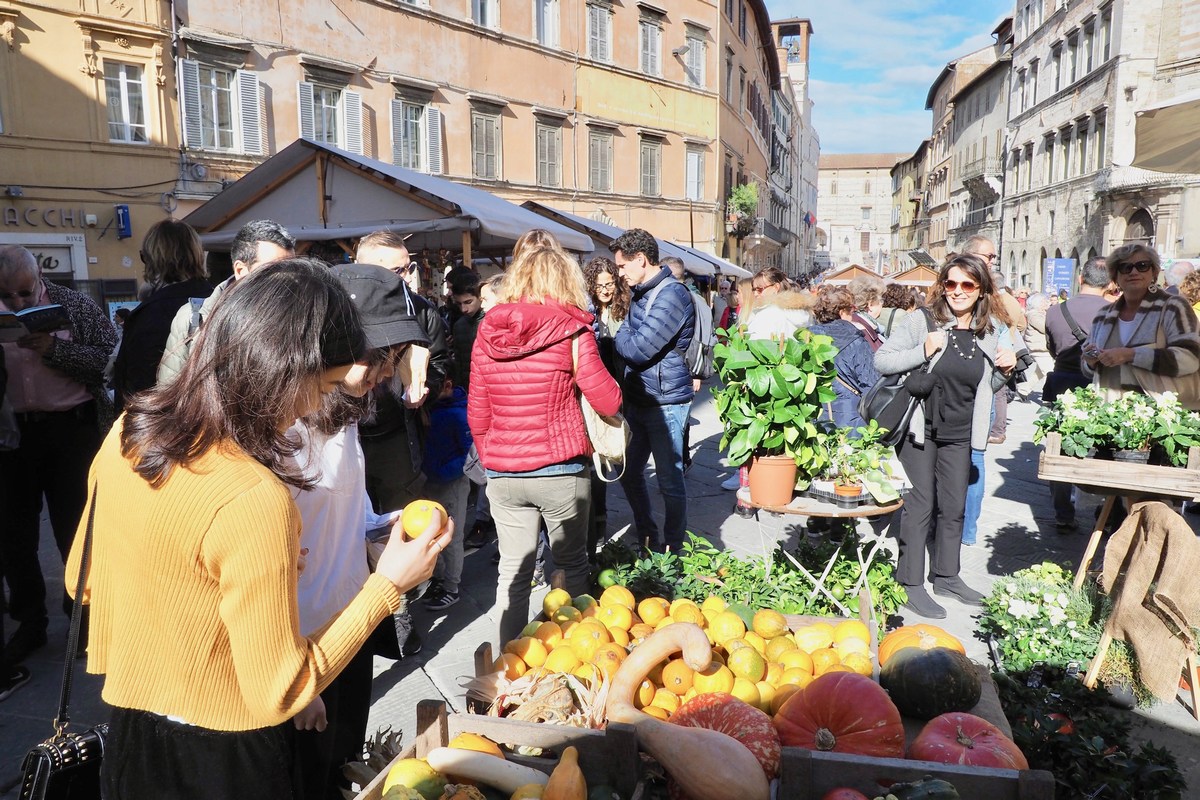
pixel 1059 274
pixel 124 223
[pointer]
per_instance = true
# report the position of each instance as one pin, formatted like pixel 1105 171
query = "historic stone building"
pixel 856 207
pixel 909 239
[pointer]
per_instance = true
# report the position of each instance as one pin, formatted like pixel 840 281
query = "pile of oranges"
pixel 762 663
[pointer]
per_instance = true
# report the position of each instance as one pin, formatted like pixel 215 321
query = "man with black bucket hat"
pixel 337 517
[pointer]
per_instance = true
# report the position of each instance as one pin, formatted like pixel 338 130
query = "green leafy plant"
pixel 1078 417
pixel 771 395
pixel 857 456
pixel 743 200
pixel 1135 421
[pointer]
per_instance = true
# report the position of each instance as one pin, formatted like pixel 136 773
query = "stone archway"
pixel 1139 228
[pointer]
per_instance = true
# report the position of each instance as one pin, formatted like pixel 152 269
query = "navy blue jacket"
pixel 654 342
pixel 855 364
pixel 449 438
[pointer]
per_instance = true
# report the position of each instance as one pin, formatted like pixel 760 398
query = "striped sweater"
pixel 192 590
pixel 1165 341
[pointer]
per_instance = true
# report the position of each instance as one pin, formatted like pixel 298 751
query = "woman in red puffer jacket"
pixel 523 410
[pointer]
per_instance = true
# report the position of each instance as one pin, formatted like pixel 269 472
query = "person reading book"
pixel 16 325
pixel 56 387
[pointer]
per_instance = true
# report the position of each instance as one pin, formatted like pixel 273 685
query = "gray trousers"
pixel 518 507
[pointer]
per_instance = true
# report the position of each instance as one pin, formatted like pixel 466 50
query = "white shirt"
pixel 336 515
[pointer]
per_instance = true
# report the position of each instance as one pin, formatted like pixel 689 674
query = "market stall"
pixel 320 193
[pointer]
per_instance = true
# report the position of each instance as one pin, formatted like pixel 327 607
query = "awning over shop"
pixel 602 234
pixel 844 276
pixel 1167 135
pixel 321 193
pixel 917 276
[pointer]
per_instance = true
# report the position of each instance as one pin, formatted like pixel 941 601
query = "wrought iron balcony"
pixel 982 168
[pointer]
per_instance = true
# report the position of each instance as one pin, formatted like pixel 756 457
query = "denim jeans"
pixel 657 431
pixel 974 507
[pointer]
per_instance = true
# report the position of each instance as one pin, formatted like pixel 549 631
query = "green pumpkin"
pixel 928 788
pixel 927 683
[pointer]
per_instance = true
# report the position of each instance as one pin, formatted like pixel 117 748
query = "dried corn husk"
pixel 541 696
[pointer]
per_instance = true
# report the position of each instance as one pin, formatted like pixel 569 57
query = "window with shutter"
pixel 433 130
pixel 599 33
pixel 352 125
pixel 545 22
pixel 695 173
pixel 189 72
pixel 250 115
pixel 549 146
pixel 125 95
pixel 326 114
pixel 408 122
pixel 600 156
pixel 306 107
pixel 651 45
pixel 651 167
pixel 694 63
pixel 485 140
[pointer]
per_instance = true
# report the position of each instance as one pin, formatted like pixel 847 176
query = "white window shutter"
pixel 308 125
pixel 250 112
pixel 352 113
pixel 193 135
pixel 433 139
pixel 397 131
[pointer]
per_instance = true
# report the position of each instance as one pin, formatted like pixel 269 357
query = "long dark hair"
pixel 619 307
pixel 258 358
pixel 981 273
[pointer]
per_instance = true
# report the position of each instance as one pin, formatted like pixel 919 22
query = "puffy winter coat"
pixel 855 370
pixel 522 406
pixel 654 342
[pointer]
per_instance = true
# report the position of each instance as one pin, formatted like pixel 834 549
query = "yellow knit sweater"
pixel 192 589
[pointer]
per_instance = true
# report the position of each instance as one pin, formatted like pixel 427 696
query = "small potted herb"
pixel 858 460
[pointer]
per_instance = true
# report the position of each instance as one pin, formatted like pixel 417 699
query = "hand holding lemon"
pixel 409 560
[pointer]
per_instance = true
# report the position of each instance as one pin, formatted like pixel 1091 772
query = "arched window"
pixel 1140 228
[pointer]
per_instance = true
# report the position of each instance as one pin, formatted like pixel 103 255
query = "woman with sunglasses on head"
pixel 1147 339
pixel 968 359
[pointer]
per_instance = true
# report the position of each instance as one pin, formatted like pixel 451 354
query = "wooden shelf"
pixel 1119 477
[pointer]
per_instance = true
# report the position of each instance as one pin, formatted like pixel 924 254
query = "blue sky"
pixel 873 61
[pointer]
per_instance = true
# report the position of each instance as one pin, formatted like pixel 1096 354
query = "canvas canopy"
pixel 322 193
pixel 1167 138
pixel 844 276
pixel 917 276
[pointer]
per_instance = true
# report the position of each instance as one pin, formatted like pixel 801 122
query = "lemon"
pixel 746 691
pixel 586 604
pixel 566 614
pixel 562 659
pixel 554 600
pixel 747 664
pixel 778 646
pixel 714 678
pixel 713 603
pixel 418 515
pixel 530 650
pixel 769 623
pixel 766 693
pixel 415 773
pixel 728 625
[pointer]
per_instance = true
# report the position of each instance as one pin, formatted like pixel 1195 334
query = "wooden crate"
pixel 607 757
pixel 1119 477
pixel 807 773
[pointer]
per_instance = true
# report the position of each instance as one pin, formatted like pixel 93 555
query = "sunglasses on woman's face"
pixel 966 286
pixel 1129 266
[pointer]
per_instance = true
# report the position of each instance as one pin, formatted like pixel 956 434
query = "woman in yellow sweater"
pixel 195 554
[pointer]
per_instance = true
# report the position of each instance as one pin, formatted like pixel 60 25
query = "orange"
pixel 511 665
pixel 419 514
pixel 860 663
pixel 645 694
pixel 530 650
pixel 823 659
pixel 748 665
pixel 549 633
pixel 653 609
pixel 677 676
pixel 852 629
pixel 473 741
pixel 713 678
pixel 688 612
pixel 615 616
pixel 666 700
pixel 769 624
pixel 781 696
pixel 778 646
pixel 837 668
pixel 678 602
pixel 619 636
pixel 618 596
pixel 728 625
pixel 657 712
pixel 796 659
pixel 664 622
pixel 795 677
pixel 567 627
pixel 562 659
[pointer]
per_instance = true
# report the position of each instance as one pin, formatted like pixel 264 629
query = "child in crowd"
pixel 446 449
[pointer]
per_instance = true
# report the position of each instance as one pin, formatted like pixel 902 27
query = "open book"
pixel 37 319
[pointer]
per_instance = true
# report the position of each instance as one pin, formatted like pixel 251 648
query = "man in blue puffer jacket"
pixel 657 385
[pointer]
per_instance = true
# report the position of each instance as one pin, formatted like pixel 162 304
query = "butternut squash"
pixel 566 781
pixel 706 764
pixel 484 768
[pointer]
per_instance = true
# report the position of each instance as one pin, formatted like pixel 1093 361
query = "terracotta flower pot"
pixel 772 479
pixel 847 494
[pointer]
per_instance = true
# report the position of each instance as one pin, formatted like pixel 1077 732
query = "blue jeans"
pixel 657 431
pixel 974 498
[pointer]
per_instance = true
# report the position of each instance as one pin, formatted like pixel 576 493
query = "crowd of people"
pixel 243 454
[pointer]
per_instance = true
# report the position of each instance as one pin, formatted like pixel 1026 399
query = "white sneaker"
pixel 732 483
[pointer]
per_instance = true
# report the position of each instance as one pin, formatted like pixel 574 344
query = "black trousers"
pixel 148 756
pixel 939 472
pixel 52 462
pixel 320 755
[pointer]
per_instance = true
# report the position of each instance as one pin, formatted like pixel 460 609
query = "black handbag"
pixel 67 765
pixel 890 403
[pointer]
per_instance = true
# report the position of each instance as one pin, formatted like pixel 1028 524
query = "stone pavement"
pixel 1016 530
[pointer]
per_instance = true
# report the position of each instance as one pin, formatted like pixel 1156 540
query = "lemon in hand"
pixel 417 515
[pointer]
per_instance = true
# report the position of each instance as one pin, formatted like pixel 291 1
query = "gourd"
pixel 923 636
pixel 484 768
pixel 706 764
pixel 926 683
pixel 928 788
pixel 842 712
pixel 566 781
pixel 462 792
pixel 958 738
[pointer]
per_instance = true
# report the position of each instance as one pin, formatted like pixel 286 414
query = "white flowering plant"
pixel 1035 615
pixel 1086 422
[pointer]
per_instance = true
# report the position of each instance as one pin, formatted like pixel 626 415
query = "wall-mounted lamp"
pixel 678 51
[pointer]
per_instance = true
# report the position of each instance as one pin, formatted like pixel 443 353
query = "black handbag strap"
pixel 1075 329
pixel 64 696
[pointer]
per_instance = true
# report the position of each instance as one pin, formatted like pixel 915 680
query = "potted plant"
pixel 771 395
pixel 741 209
pixel 859 461
pixel 1081 418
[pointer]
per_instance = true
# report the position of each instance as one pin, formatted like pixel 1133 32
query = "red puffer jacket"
pixel 522 406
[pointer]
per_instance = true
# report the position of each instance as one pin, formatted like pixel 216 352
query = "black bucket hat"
pixel 384 305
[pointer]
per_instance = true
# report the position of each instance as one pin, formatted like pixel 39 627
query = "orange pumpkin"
pixel 926 637
pixel 844 712
pixel 959 738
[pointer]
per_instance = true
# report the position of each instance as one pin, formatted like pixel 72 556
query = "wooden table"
pixel 813 507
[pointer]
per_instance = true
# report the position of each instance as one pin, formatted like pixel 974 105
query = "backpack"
pixel 699 355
